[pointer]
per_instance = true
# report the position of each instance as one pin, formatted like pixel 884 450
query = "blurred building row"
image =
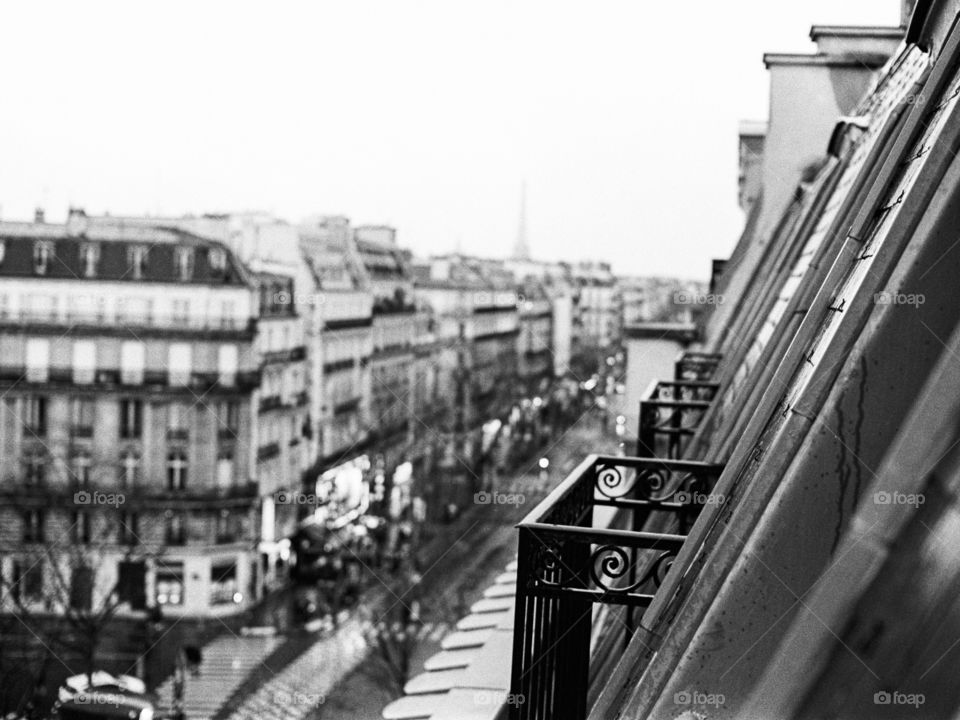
pixel 179 392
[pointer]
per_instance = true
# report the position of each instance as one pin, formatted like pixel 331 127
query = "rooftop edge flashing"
pixel 857 31
pixel 871 61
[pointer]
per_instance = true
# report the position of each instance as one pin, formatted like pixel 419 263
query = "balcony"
pixel 696 365
pixel 122 322
pixel 115 378
pixel 582 547
pixel 670 413
pixel 139 497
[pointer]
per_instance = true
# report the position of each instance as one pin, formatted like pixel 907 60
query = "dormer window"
pixel 218 260
pixel 183 256
pixel 137 258
pixel 42 255
pixel 89 256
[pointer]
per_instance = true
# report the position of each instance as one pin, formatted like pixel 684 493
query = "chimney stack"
pixel 39 216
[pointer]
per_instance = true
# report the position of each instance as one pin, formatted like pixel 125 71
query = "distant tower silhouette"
pixel 521 251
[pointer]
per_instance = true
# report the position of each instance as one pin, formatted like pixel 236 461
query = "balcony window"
pixel 128 529
pixel 33 526
pixel 174 529
pixel 131 417
pixel 169 583
pixel 89 256
pixel 177 470
pixel 132 362
pixel 80 469
pixel 178 421
pixel 228 419
pixel 184 260
pixel 129 470
pixel 227 364
pixel 81 588
pixel 82 417
pixel 42 256
pixel 34 467
pixel 137 261
pixel 223 584
pixel 225 469
pixel 226 529
pixel 181 311
pixel 180 363
pixel 84 361
pixel 28 580
pixel 80 528
pixel 35 415
pixel 38 360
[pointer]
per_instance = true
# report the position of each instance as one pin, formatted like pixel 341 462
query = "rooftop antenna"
pixel 521 251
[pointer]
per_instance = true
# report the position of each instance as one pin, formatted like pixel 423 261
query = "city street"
pixel 457 580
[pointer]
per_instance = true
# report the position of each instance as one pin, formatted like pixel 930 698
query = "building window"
pixel 89 256
pixel 169 583
pixel 137 260
pixel 38 360
pixel 177 470
pixel 34 469
pixel 128 529
pixel 80 468
pixel 131 417
pixel 84 361
pixel 132 362
pixel 80 529
pixel 181 311
pixel 174 531
pixel 35 415
pixel 178 421
pixel 184 261
pixel 228 419
pixel 227 364
pixel 42 256
pixel 28 580
pixel 129 470
pixel 132 583
pixel 33 531
pixel 225 468
pixel 226 529
pixel 82 417
pixel 223 584
pixel 218 260
pixel 179 363
pixel 81 588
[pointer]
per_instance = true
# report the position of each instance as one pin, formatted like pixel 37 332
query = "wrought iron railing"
pixel 696 365
pixel 670 413
pixel 582 546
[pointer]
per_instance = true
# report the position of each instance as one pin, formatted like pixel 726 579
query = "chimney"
pixel 808 92
pixel 39 216
pixel 76 222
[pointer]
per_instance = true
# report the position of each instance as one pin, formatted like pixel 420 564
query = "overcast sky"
pixel 621 116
